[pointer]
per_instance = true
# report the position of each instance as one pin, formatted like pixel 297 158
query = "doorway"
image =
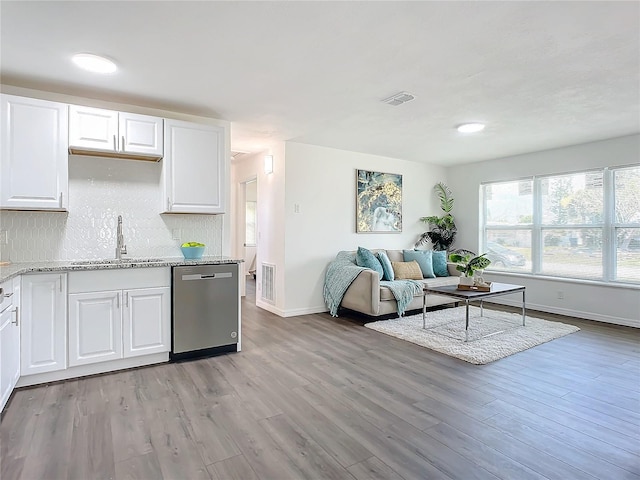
pixel 248 219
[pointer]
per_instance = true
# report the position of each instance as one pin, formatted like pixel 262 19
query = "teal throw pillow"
pixel 423 257
pixel 387 268
pixel 366 258
pixel 439 262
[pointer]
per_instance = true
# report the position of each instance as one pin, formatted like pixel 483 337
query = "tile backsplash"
pixel 100 189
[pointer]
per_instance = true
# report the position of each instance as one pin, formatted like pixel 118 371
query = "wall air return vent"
pixel 399 98
pixel 268 283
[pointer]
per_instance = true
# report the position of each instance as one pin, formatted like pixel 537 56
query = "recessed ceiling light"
pixel 94 63
pixel 471 127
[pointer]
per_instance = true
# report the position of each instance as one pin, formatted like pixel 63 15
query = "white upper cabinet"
pixel 95 131
pixel 140 134
pixel 193 168
pixel 34 154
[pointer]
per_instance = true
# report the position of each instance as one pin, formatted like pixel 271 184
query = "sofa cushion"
pixel 407 270
pixel 386 295
pixel 423 257
pixel 365 258
pixel 439 262
pixel 387 268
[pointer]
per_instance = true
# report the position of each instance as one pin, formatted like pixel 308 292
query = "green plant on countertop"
pixel 468 263
pixel 442 230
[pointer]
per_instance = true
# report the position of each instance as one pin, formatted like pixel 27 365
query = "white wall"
pixel 100 189
pixel 322 181
pixel 615 304
pixel 270 222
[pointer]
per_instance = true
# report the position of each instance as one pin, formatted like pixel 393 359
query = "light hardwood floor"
pixel 315 397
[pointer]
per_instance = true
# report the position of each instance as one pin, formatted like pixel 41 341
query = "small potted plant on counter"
pixel 468 263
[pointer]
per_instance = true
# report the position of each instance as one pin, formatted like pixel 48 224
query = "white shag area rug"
pixel 445 332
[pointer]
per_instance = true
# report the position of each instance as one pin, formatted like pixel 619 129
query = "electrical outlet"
pixel 296 208
pixel 175 233
pixel 4 237
pixel 560 295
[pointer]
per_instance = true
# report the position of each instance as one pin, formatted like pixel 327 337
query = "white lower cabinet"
pixel 146 321
pixel 10 345
pixel 44 329
pixel 107 325
pixel 95 327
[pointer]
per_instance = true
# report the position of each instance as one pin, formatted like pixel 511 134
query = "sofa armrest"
pixel 452 270
pixel 363 295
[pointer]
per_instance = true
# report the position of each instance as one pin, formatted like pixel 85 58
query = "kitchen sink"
pixel 113 261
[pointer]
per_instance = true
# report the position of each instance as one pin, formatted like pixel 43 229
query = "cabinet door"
pixel 146 321
pixel 140 134
pixel 93 129
pixel 95 327
pixel 9 353
pixel 33 156
pixel 193 168
pixel 44 323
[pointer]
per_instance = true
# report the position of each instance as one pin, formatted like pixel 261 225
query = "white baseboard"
pixel 305 311
pixel 270 308
pixel 629 322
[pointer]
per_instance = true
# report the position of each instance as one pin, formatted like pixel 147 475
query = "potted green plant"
pixel 468 263
pixel 442 229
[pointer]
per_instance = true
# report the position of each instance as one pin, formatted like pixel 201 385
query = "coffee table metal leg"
pixel 466 325
pixel 424 309
pixel 523 308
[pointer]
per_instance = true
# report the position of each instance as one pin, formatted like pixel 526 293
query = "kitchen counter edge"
pixel 14 269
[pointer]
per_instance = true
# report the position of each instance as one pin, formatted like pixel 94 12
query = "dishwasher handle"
pixel 200 276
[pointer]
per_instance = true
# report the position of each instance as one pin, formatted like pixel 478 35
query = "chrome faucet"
pixel 121 248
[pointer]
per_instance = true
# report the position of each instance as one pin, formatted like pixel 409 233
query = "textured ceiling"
pixel 539 74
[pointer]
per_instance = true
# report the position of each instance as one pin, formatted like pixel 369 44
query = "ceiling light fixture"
pixel 94 63
pixel 471 127
pixel 399 98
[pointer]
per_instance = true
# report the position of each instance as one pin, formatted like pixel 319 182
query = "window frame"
pixel 608 226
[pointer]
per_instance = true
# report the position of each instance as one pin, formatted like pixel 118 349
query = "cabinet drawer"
pixel 118 279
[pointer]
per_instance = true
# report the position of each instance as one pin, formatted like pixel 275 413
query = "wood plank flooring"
pixel 315 397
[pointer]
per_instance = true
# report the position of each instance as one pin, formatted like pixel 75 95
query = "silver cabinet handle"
pixel 115 144
pixel 118 299
pixel 60 283
pixel 15 322
pixel 122 144
pixel 60 199
pixel 126 299
pixel 168 204
pixel 1 291
pixel 7 295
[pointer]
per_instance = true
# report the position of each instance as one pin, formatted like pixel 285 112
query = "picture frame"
pixel 378 202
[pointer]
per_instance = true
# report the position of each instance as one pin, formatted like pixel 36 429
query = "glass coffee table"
pixel 497 289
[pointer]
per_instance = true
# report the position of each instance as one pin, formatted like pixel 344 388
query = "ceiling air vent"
pixel 399 98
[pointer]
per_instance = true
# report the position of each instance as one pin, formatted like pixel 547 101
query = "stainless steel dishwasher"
pixel 205 313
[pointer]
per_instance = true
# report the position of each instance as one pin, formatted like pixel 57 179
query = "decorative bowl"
pixel 192 253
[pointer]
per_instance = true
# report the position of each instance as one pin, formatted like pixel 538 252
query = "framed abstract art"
pixel 378 202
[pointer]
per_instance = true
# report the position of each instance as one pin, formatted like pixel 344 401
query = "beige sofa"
pixel 365 295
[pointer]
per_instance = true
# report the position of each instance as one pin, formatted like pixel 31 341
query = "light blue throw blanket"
pixel 343 271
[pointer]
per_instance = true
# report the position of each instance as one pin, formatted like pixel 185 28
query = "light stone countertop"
pixel 14 269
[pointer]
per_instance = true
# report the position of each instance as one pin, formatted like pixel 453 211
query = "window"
pixel 509 225
pixel 626 223
pixel 578 225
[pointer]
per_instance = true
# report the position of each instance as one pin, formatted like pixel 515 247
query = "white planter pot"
pixel 468 281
